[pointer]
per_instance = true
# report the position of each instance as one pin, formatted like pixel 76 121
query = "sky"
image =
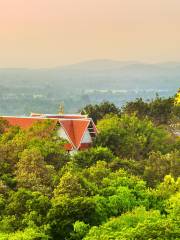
pixel 50 33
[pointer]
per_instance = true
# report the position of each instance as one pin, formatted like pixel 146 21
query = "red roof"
pixel 68 146
pixel 75 129
pixel 84 146
pixel 23 122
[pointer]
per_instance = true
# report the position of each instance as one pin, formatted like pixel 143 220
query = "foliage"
pixel 32 171
pixel 32 233
pixel 159 165
pixel 160 110
pixel 177 98
pixel 3 125
pixel 92 155
pixel 138 224
pixel 130 137
pixel 126 186
pixel 97 112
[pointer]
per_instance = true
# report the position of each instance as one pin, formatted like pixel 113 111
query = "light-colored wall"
pixel 61 133
pixel 87 137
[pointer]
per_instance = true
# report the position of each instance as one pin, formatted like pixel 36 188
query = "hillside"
pixel 84 83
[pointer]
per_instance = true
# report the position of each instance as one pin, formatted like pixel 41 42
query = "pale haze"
pixel 48 33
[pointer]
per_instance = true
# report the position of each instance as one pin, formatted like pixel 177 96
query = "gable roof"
pixel 75 130
pixel 80 128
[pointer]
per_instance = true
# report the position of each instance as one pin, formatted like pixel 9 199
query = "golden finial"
pixel 61 108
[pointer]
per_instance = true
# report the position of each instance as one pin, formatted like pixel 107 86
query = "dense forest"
pixel 125 186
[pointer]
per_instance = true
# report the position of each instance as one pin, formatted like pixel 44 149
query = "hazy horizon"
pixel 52 33
pixel 98 60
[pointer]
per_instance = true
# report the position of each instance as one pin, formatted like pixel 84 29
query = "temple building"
pixel 77 129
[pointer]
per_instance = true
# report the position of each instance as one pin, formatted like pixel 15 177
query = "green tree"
pixel 138 107
pixel 138 224
pixel 3 125
pixel 24 208
pixel 98 111
pixel 80 230
pixel 159 110
pixel 91 156
pixel 33 173
pixel 70 185
pixel 158 165
pixel 31 233
pixel 66 211
pixel 129 137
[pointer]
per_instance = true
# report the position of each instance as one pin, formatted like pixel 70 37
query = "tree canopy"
pixel 126 186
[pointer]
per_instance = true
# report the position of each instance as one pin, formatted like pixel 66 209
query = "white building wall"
pixel 62 134
pixel 87 137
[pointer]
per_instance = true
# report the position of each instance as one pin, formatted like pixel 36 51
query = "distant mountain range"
pixel 89 81
pixel 98 74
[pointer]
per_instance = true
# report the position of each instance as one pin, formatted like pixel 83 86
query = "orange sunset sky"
pixel 47 33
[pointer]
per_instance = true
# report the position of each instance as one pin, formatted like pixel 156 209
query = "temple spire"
pixel 61 108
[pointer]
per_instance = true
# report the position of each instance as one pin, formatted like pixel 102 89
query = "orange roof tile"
pixel 68 146
pixel 80 127
pixel 68 128
pixel 84 146
pixel 22 122
pixel 75 129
